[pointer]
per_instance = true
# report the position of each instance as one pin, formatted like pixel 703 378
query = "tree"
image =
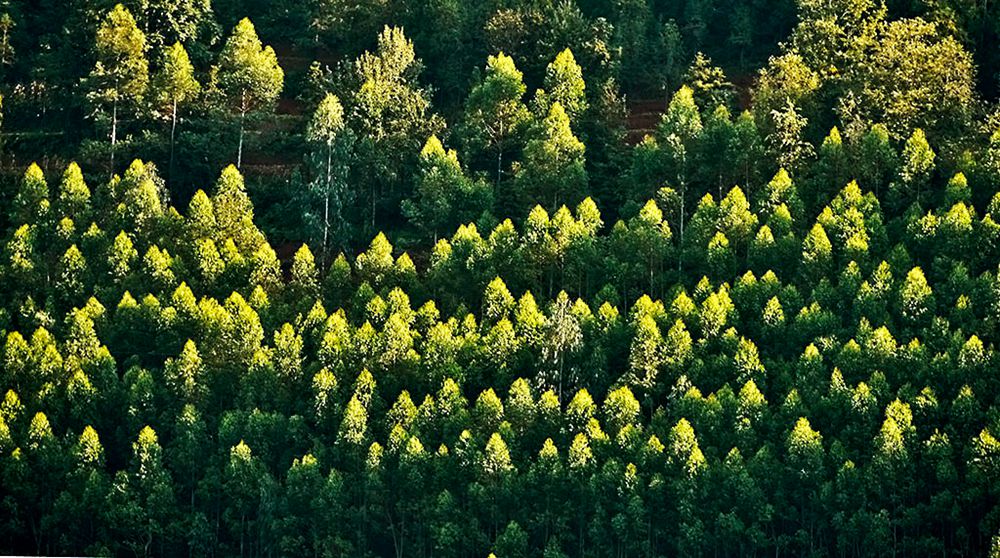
pixel 234 216
pixel 246 487
pixel 184 375
pixel 496 457
pixel 376 264
pixel 7 53
pixel 717 142
pixel 31 202
pixel 830 168
pixel 621 408
pixel 682 117
pixel 877 158
pixel 786 142
pixel 248 74
pixel 786 81
pixel 747 146
pixel 175 85
pixel 917 77
pixel 71 281
pixel 892 459
pixel 564 84
pixel 497 301
pixel 736 220
pixel 645 358
pixel 81 506
pixel 677 135
pixel 167 21
pixel 564 336
pixel 915 297
pixel 73 199
pixel 708 83
pixel 684 453
pixel 686 462
pixel 244 333
pixel 326 129
pixel 512 542
pixel 142 500
pixel 915 169
pixel 806 455
pixel 834 35
pixel 33 471
pixel 121 73
pixel 495 114
pixel 780 191
pixel 346 24
pixel 305 276
pixel 496 467
pixel 817 252
pixel 554 162
pixel 391 114
pixel 444 196
pixel 439 29
pixel 141 199
pixel 649 238
pixel 643 39
pixel 121 256
pixel 21 256
pixel 354 423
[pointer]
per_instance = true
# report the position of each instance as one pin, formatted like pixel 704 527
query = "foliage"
pixel 434 315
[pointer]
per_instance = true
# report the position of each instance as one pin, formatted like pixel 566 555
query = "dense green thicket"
pixel 769 327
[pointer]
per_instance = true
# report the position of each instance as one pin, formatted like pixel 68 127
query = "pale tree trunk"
pixel 243 113
pixel 499 137
pixel 652 267
pixel 326 201
pixel 173 131
pixel 114 133
pixel 239 152
pixel 499 165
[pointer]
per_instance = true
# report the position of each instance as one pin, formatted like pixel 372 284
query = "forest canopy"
pixel 505 279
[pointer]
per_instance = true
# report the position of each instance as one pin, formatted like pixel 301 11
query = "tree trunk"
pixel 243 113
pixel 559 357
pixel 239 152
pixel 173 131
pixel 652 258
pixel 326 202
pixel 499 137
pixel 36 535
pixel 499 165
pixel 114 133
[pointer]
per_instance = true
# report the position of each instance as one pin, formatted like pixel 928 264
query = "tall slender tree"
pixel 175 85
pixel 495 113
pixel 121 72
pixel 248 75
pixel 326 129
